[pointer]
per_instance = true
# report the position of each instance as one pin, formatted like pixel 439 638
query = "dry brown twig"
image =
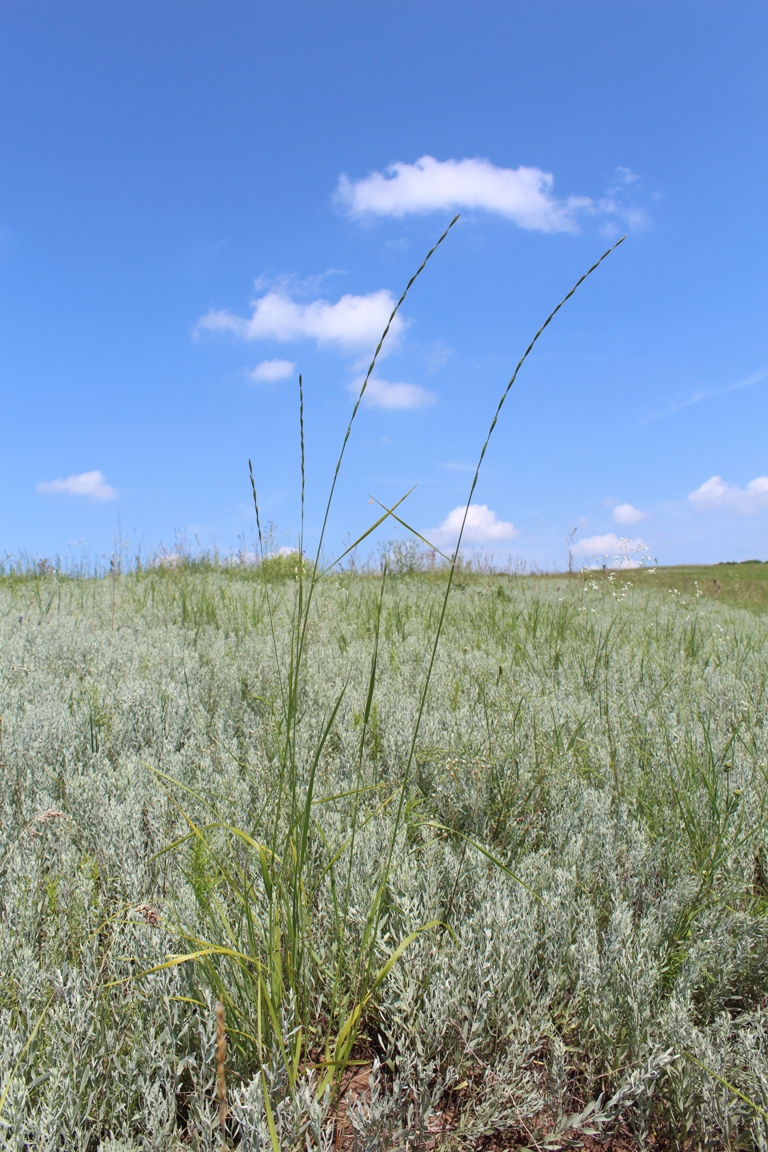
pixel 150 914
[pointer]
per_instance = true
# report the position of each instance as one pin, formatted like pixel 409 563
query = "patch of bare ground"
pixel 354 1087
pixel 539 1133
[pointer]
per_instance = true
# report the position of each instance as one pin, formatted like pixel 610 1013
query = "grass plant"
pixel 256 955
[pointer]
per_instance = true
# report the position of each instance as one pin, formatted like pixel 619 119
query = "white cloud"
pixel 522 194
pixel 483 527
pixel 614 551
pixel 270 371
pixel 715 495
pixel 352 323
pixel 628 514
pixel 382 394
pixel 90 484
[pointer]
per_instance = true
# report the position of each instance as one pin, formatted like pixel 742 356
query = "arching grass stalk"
pixel 375 919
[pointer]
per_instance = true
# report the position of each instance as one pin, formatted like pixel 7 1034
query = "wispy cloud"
pixel 351 323
pixel 626 175
pixel 270 371
pixel 89 484
pixel 383 394
pixel 483 527
pixel 293 285
pixel 628 514
pixel 609 549
pixel 524 195
pixel 715 495
pixel 438 356
pixel 705 394
pixel 617 202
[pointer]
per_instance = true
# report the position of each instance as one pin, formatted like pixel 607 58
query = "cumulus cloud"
pixel 383 394
pixel 715 495
pixel 352 323
pixel 483 527
pixel 270 371
pixel 524 195
pixel 628 514
pixel 614 551
pixel 89 484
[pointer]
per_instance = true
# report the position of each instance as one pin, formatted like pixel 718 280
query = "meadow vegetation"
pixel 578 870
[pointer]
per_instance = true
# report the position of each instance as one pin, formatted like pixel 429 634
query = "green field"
pixel 546 926
pixel 742 585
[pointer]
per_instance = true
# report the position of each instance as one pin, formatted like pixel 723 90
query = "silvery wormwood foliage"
pixel 609 751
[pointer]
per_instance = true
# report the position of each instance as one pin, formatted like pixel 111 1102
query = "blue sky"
pixel 198 201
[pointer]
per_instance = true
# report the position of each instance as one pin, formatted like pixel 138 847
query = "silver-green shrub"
pixel 604 745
